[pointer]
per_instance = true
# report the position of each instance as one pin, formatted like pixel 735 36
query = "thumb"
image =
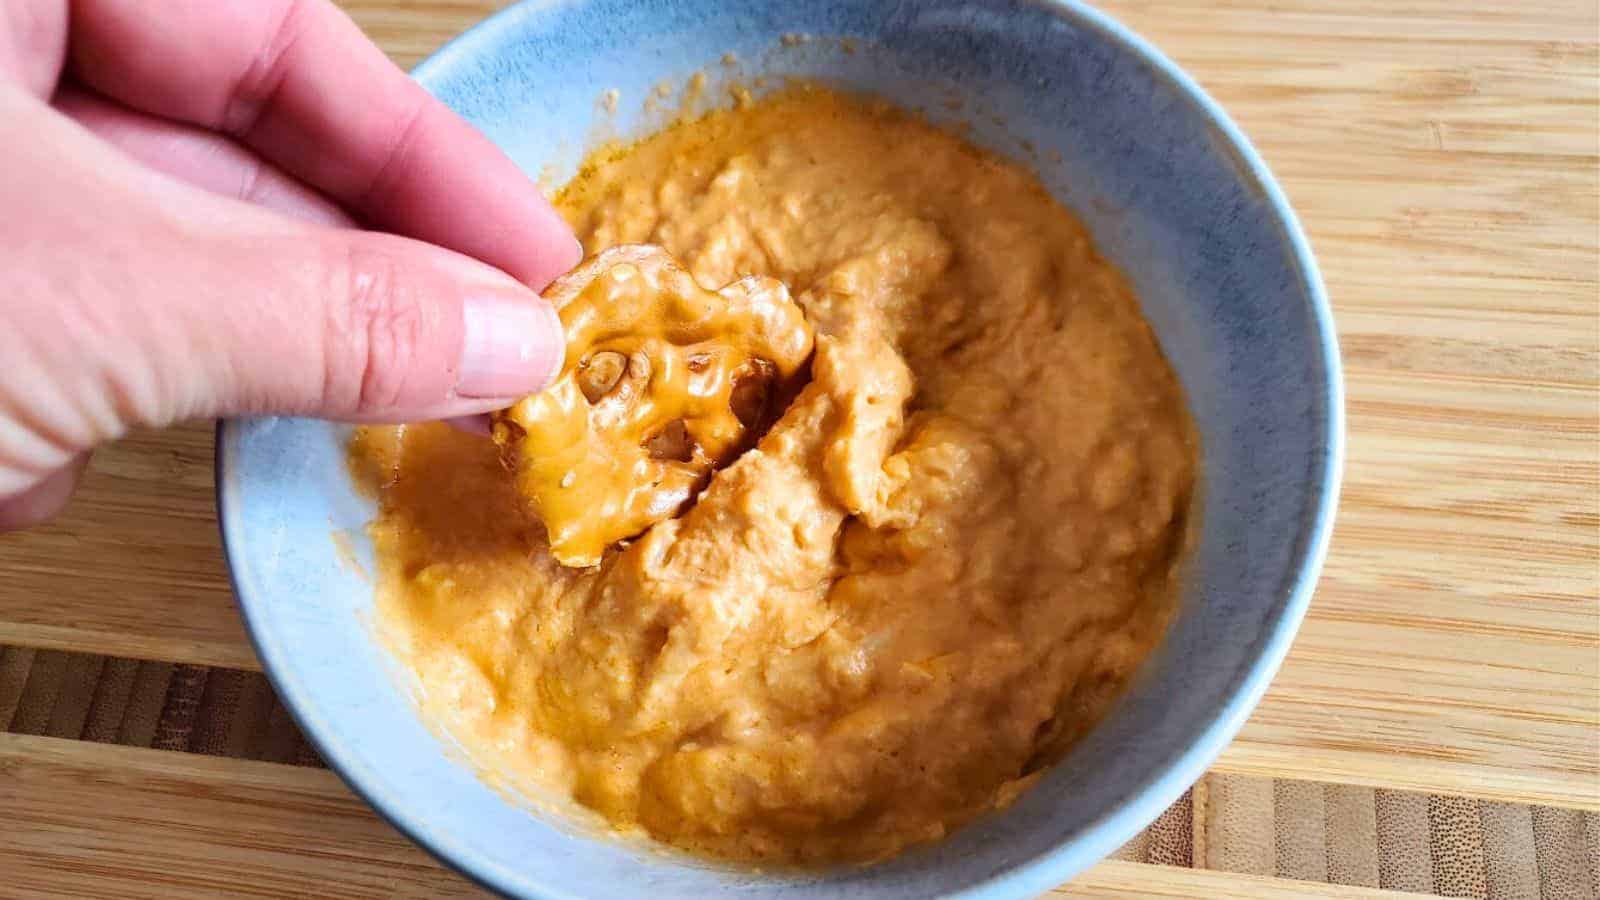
pixel 152 322
pixel 362 326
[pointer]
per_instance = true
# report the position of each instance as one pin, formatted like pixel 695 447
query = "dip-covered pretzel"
pixel 664 381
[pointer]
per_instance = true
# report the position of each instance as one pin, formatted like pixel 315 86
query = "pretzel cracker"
pixel 664 382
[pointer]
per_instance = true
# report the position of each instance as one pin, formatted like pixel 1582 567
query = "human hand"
pixel 180 189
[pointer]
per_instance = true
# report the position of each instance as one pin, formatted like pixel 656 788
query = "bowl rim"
pixel 1139 807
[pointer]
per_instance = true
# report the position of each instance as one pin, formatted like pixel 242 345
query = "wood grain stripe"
pixel 1117 879
pixel 305 754
pixel 1134 850
pixel 1510 867
pixel 1456 841
pixel 14 665
pixel 247 736
pixel 1405 854
pixel 1300 831
pixel 1591 850
pixel 112 695
pixel 1566 872
pixel 103 821
pixel 1171 837
pixel 1352 834
pixel 180 708
pixel 282 736
pixel 39 693
pixel 219 702
pixel 78 680
pixel 1239 825
pixel 142 718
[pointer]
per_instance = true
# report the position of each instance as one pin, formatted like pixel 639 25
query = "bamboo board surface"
pixel 1445 158
pixel 96 821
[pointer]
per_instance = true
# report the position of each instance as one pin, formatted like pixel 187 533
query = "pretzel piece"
pixel 664 381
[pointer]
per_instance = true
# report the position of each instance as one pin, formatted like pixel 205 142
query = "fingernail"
pixel 511 346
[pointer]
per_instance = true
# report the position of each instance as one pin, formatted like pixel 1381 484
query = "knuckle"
pixel 256 86
pixel 378 323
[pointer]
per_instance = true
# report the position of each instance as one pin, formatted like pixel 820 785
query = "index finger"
pixel 299 83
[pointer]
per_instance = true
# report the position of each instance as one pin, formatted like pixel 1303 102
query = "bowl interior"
pixel 1174 197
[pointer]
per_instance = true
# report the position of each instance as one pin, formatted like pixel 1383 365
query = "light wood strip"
pixel 1370 767
pixel 1117 878
pixel 1566 872
pixel 104 821
pixel 1352 835
pixel 1300 830
pixel 1405 842
pixel 1510 860
pixel 1239 826
pixel 134 567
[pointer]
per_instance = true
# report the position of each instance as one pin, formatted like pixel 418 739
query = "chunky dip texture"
pixel 936 569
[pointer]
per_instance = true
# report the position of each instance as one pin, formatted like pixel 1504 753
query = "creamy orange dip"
pixel 932 574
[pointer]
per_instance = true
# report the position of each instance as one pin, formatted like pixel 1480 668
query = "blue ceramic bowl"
pixel 1175 196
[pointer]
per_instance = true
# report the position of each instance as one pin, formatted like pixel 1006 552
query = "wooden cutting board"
pixel 1445 157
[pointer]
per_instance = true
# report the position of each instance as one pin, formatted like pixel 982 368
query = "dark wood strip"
pixel 304 755
pixel 214 718
pixel 78 681
pixel 181 707
pixel 1566 867
pixel 1172 835
pixel 282 735
pixel 14 665
pixel 1456 838
pixel 143 715
pixel 247 736
pixel 111 696
pixel 39 694
pixel 1405 854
